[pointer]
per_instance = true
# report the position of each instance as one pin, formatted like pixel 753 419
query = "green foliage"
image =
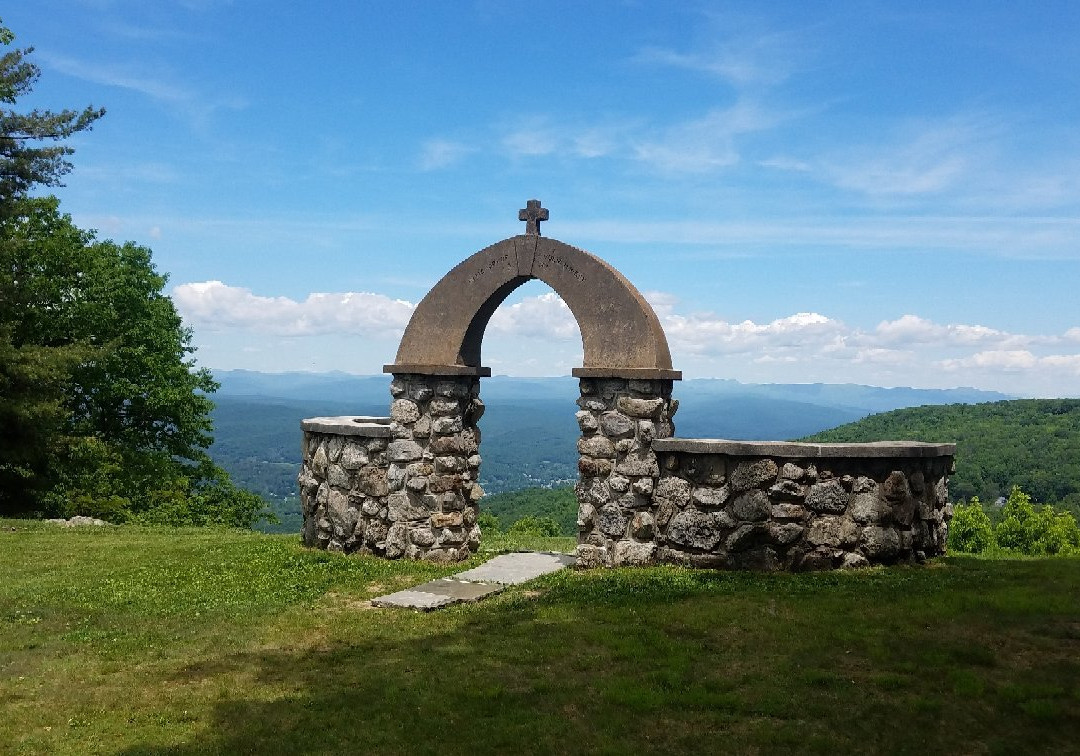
pixel 102 411
pixel 970 529
pixel 556 504
pixel 539 526
pixel 1031 443
pixel 1036 531
pixel 120 422
pixel 489 523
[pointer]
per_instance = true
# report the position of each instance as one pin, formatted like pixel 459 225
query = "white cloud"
pixel 544 316
pixel 911 329
pixel 706 334
pixel 216 304
pixel 539 335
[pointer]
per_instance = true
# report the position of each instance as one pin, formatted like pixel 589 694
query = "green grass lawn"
pixel 136 640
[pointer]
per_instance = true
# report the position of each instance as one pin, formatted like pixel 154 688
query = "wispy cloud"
pixel 436 154
pixel 191 103
pixel 744 59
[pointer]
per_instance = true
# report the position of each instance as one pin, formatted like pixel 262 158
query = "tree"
pixel 101 408
pixel 970 529
pixel 123 425
pixel 24 161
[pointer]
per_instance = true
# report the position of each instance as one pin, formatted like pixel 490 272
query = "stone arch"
pixel 620 333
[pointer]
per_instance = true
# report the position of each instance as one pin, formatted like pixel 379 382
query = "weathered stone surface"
pixel 613 520
pixel 372 481
pixel 619 484
pixel 596 446
pixel 615 424
pixel 672 490
pixel 404 411
pixel 867 508
pixel 634 554
pixel 640 408
pixel 642 526
pixel 828 496
pixel 396 540
pixel 353 457
pixel 854 560
pixel 444 426
pixel 752 474
pixel 787 512
pixel 422 536
pixel 821 558
pixel 319 462
pixel 643 487
pixel 404 506
pixel 589 556
pixel 784 534
pixel 834 532
pixel 787 490
pixel 586 517
pixel 711 497
pixel 446 520
pixel 404 451
pixel 450 464
pixel 745 536
pixel 446 445
pixel 880 543
pixel 640 462
pixel 586 421
pixel 442 407
pixel 791 471
pixel 591 468
pixel 697 530
pixel 751 506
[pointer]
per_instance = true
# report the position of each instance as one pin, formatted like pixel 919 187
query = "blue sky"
pixel 869 192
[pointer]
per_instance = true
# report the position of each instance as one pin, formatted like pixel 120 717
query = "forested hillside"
pixel 1031 443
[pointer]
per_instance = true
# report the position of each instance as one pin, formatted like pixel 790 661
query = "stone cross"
pixel 532 215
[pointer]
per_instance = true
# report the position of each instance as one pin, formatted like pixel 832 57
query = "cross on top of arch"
pixel 532 215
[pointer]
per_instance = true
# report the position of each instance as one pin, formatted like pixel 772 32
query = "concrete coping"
pixel 349 425
pixel 447 370
pixel 645 374
pixel 874 450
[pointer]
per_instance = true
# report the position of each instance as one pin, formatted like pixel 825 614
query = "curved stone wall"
pixel 406 486
pixel 788 506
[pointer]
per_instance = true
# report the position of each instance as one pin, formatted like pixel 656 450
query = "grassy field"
pixel 137 641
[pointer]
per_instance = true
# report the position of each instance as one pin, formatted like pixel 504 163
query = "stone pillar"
pixel 343 488
pixel 619 419
pixel 433 467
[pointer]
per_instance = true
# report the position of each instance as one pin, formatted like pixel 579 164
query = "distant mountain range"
pixel 529 431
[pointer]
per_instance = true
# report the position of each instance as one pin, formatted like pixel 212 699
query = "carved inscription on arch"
pixel 553 259
pixel 491 265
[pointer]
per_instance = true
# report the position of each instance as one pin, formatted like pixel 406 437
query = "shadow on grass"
pixel 971 655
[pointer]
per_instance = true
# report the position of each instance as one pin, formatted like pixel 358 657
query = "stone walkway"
pixel 472 585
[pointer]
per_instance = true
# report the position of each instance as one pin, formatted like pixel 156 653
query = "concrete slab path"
pixel 472 585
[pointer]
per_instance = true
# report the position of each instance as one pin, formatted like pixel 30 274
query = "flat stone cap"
pixel 874 450
pixel 348 425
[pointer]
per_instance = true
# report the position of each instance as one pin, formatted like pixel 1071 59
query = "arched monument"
pixel 408 485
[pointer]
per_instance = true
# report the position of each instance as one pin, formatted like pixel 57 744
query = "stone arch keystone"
pixel 620 333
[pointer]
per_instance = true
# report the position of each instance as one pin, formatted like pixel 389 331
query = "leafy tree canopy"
pixel 102 411
pixel 1030 443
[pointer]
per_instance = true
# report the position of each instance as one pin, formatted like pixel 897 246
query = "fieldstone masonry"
pixel 619 420
pixel 407 485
